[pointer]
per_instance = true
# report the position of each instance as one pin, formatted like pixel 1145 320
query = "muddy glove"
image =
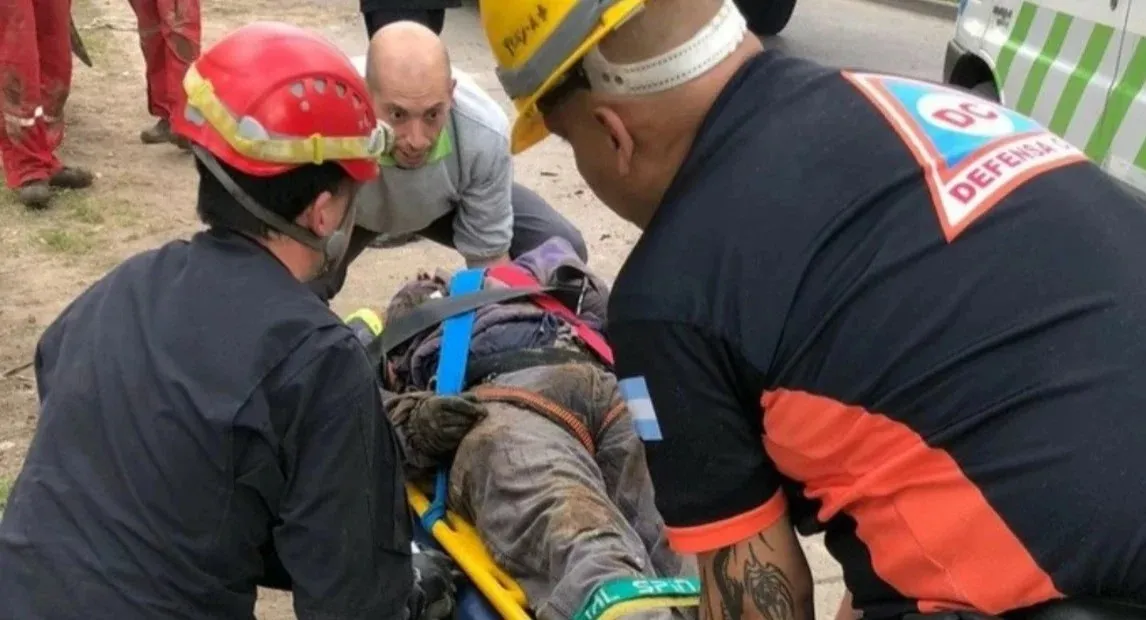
pixel 430 427
pixel 434 586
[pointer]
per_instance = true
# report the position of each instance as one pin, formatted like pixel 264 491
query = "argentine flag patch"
pixel 636 394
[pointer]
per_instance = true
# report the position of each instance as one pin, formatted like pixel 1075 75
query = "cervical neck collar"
pixel 707 48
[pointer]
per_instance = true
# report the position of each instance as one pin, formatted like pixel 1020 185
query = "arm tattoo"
pixel 731 590
pixel 768 588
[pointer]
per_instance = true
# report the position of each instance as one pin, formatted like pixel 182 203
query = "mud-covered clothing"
pixel 35 79
pixel 540 458
pixel 508 327
pixel 560 517
pixel 169 37
pixel 549 455
pixel 204 420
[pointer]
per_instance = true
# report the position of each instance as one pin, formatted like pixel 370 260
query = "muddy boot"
pixel 35 195
pixel 70 177
pixel 393 241
pixel 159 133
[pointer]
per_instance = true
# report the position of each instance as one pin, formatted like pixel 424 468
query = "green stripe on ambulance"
pixel 1030 31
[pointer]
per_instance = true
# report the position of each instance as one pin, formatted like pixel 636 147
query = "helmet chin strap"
pixel 707 48
pixel 333 248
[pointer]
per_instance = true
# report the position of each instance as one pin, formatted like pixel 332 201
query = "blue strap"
pixel 452 357
pixel 456 332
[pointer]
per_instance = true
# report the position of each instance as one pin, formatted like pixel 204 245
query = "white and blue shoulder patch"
pixel 636 394
pixel 973 152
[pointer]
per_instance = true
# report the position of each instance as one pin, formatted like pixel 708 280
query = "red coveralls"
pixel 35 77
pixel 169 32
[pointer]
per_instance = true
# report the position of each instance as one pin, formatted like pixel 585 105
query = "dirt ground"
pixel 144 196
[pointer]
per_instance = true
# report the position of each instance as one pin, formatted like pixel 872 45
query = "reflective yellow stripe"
pixel 314 149
pixel 369 317
pixel 625 608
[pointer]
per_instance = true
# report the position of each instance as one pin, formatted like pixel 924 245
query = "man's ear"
pixel 619 135
pixel 321 217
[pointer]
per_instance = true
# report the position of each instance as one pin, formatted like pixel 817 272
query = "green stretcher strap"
pixel 620 597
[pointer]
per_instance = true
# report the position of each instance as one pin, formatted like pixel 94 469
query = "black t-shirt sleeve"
pixel 345 533
pixel 714 483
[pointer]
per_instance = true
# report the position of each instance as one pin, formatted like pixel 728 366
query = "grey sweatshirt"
pixel 475 180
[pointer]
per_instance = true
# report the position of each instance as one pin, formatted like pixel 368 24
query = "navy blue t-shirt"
pixel 915 320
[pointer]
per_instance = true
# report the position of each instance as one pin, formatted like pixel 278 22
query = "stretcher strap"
pixel 542 406
pixel 621 597
pixel 517 277
pixel 457 331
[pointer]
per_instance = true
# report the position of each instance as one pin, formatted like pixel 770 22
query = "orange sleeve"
pixel 726 532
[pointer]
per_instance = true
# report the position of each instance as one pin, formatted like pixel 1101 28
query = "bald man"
pixel 450 175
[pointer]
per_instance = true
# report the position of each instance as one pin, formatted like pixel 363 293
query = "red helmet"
pixel 270 96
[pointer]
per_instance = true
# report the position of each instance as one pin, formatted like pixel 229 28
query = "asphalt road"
pixel 866 35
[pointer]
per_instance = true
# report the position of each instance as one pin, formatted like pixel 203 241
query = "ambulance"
pixel 1077 67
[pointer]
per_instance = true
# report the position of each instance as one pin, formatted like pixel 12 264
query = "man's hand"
pixel 430 426
pixel 434 586
pixel 765 577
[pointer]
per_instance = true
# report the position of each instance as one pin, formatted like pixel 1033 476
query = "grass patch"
pixel 63 241
pixel 84 211
pixel 75 224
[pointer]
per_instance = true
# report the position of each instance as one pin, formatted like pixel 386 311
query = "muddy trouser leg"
pixel 621 457
pixel 180 28
pixel 27 146
pixel 539 501
pixel 328 284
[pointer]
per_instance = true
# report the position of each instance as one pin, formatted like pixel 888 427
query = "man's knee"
pixel 578 242
pixel 536 221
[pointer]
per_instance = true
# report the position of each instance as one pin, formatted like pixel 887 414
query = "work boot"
pixel 35 195
pixel 161 133
pixel 70 177
pixel 393 241
pixel 158 133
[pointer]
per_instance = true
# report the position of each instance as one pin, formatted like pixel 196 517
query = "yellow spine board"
pixel 462 543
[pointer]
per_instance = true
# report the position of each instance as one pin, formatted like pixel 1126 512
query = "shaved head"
pixel 660 27
pixel 411 86
pixel 406 51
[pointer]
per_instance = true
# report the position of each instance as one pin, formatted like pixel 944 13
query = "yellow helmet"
pixel 537 42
